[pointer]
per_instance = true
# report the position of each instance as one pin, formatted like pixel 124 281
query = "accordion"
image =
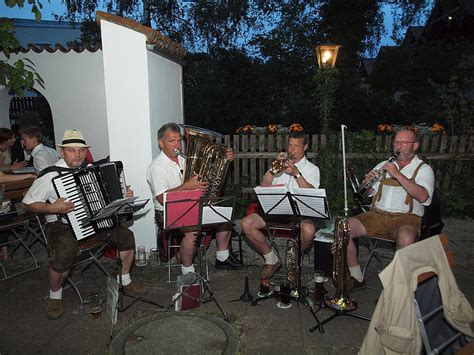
pixel 91 189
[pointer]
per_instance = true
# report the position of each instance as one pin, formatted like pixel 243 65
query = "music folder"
pixel 181 208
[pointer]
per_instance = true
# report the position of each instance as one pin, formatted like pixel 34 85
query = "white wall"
pixel 166 99
pixel 74 88
pixel 131 114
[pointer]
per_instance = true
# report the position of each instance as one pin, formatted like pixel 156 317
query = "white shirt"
pixel 164 174
pixel 42 190
pixel 43 157
pixel 393 197
pixel 307 169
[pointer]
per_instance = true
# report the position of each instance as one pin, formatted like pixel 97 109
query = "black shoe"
pixel 229 263
pixel 354 285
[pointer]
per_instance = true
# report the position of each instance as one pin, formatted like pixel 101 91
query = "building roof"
pixel 159 42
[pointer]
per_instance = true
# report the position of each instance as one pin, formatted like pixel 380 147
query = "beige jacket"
pixel 393 328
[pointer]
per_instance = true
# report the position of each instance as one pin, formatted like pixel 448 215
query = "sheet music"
pixel 211 215
pixel 311 202
pixel 269 198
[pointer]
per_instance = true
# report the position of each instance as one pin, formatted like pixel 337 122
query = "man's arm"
pixel 416 191
pixel 60 206
pixel 192 184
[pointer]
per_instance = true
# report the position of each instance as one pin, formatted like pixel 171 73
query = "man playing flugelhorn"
pixel 298 172
pixel 397 204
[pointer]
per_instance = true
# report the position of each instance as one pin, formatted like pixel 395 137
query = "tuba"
pixel 206 159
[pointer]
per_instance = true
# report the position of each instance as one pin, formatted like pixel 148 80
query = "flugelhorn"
pixel 278 165
pixel 365 189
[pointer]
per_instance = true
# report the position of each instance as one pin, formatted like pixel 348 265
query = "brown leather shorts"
pixel 387 223
pixel 63 247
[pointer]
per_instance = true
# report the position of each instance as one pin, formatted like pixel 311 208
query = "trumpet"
pixel 278 165
pixel 365 189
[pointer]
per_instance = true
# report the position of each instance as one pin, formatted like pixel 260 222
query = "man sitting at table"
pixel 42 198
pixel 41 155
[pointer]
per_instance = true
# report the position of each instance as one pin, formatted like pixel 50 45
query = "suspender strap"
pixel 394 182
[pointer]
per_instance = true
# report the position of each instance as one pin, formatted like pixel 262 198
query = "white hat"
pixel 74 139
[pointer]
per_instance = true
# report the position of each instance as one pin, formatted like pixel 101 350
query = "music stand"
pixel 194 213
pixel 114 210
pixel 301 202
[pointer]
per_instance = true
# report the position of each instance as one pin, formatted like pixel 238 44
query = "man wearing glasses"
pixel 397 204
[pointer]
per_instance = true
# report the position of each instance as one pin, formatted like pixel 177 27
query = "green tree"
pixel 21 75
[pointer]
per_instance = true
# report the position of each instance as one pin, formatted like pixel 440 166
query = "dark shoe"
pixel 354 285
pixel 268 270
pixel 229 263
pixel 55 309
pixel 136 288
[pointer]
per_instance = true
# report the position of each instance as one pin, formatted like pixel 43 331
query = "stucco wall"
pixel 74 88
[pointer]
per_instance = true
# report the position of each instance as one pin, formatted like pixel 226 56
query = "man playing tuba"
pixel 165 174
pixel 398 203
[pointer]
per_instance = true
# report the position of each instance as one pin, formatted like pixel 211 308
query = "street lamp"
pixel 326 80
pixel 327 55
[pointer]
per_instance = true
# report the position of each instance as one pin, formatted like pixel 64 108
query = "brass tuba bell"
pixel 206 159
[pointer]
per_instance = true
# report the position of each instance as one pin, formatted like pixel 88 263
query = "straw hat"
pixel 73 139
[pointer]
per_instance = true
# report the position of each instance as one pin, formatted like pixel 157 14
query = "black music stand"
pixel 206 215
pixel 114 211
pixel 283 202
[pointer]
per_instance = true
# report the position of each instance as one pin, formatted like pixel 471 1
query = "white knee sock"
pixel 356 273
pixel 271 258
pixel 187 269
pixel 126 280
pixel 56 295
pixel 222 255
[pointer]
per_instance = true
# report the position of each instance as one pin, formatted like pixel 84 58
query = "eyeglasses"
pixel 402 143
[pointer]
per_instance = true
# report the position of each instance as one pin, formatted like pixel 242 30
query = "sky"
pixel 55 7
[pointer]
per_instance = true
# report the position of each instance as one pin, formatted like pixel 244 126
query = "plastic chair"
pixel 89 253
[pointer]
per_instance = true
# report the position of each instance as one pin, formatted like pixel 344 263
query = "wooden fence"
pixel 450 156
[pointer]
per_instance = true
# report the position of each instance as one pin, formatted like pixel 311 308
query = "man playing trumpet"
pixel 397 205
pixel 298 172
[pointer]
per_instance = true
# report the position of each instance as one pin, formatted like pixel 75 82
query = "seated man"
pixel 299 172
pixel 165 174
pixel 398 204
pixel 42 198
pixel 41 155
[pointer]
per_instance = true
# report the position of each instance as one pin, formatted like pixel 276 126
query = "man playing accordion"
pixel 41 198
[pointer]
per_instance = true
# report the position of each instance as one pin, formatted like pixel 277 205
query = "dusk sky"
pixel 55 7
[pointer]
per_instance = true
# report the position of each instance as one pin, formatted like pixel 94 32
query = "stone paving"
pixel 261 329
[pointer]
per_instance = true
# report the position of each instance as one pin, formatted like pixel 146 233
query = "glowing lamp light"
pixel 327 55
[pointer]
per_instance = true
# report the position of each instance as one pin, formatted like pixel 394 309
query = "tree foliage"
pixel 21 75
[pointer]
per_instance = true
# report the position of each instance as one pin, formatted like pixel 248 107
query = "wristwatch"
pixel 297 175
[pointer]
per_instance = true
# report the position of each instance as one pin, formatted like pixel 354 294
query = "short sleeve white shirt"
pixel 393 197
pixel 307 169
pixel 44 157
pixel 42 190
pixel 164 174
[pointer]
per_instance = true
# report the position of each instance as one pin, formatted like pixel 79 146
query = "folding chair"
pixel 172 244
pixel 436 333
pixel 275 230
pixel 18 226
pixel 90 251
pixel 379 246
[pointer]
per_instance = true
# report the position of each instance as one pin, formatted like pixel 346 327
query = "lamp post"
pixel 326 81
